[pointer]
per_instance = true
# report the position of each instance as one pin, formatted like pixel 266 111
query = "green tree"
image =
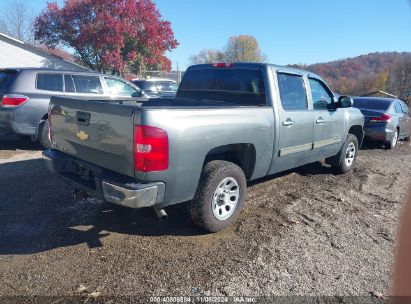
pixel 207 56
pixel 243 48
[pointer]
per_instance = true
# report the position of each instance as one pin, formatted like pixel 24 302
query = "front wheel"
pixel 347 156
pixel 220 196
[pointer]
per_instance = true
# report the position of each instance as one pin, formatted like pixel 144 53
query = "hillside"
pixel 360 74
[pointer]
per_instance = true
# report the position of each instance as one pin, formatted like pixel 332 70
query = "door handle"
pixel 83 118
pixel 320 120
pixel 288 122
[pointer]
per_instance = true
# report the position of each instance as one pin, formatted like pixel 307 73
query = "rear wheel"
pixel 43 134
pixel 220 196
pixel 393 142
pixel 345 159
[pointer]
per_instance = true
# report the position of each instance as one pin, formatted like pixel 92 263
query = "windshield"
pixel 372 104
pixel 237 86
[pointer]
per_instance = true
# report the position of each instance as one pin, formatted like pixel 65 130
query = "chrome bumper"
pixel 129 194
pixel 143 196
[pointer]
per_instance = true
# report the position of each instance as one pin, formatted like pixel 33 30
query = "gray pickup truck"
pixel 229 124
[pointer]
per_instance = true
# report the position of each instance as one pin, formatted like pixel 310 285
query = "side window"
pixel 321 96
pixel 69 84
pixel 292 92
pixel 117 87
pixel 50 82
pixel 404 108
pixel 398 108
pixel 87 84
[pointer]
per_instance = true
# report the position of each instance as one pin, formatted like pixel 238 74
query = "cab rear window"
pixel 235 86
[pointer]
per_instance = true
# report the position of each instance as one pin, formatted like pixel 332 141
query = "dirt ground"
pixel 303 232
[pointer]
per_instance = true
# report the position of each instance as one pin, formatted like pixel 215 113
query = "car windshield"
pixel 372 104
pixel 6 77
pixel 237 86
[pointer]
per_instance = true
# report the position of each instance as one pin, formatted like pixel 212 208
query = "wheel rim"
pixel 394 139
pixel 225 198
pixel 350 154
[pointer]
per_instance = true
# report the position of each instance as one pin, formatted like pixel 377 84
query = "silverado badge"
pixel 82 135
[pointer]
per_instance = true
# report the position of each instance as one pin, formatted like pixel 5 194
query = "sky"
pixel 288 31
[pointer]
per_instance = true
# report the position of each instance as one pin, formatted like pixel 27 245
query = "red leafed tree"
pixel 109 35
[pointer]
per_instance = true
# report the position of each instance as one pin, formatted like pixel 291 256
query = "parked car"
pixel 25 94
pixel 157 87
pixel 386 119
pixel 229 124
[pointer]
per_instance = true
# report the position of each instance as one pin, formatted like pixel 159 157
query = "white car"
pixel 157 87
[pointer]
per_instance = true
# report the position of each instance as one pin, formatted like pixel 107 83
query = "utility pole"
pixel 178 74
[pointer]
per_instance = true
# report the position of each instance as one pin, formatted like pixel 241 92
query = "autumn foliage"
pixel 362 74
pixel 109 35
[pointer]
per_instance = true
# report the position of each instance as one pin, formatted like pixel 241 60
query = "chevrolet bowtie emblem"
pixel 82 135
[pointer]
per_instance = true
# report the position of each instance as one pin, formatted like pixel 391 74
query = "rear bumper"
pixel 6 119
pixel 379 132
pixel 99 182
pixel 8 123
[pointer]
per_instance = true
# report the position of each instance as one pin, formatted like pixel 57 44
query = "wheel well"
pixel 243 155
pixel 358 132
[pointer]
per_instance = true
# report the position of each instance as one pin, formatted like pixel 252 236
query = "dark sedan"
pixel 386 119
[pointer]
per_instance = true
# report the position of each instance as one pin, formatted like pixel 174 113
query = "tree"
pixel 399 82
pixel 17 21
pixel 109 35
pixel 243 48
pixel 207 56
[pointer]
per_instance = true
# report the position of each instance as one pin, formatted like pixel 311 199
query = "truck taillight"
pixel 150 149
pixel 383 118
pixel 13 100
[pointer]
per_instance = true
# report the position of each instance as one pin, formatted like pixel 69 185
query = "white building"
pixel 15 53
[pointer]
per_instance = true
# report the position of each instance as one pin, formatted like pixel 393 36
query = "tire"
pixel 213 209
pixel 393 142
pixel 344 161
pixel 43 134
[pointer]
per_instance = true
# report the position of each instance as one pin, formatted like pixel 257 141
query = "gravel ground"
pixel 303 232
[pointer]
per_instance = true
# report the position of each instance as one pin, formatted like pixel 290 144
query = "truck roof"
pixel 256 66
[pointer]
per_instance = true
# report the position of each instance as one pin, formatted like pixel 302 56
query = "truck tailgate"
pixel 99 132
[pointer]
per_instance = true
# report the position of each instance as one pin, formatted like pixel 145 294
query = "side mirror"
pixel 345 102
